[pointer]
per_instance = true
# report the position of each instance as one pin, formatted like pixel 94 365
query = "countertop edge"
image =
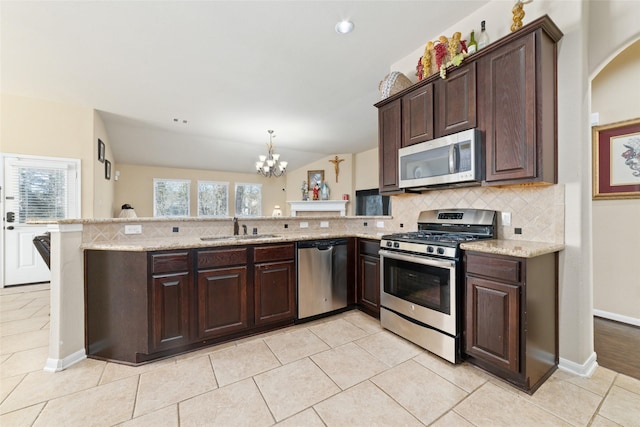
pixel 516 248
pixel 162 244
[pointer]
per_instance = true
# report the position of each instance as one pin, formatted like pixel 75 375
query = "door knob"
pixel 10 227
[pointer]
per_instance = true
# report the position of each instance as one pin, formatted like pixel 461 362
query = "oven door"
pixel 420 288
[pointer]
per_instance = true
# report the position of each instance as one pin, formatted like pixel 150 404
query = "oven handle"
pixel 434 262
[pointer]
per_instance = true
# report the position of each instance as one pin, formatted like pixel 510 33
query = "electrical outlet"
pixel 380 224
pixel 176 229
pixel 304 224
pixel 324 224
pixel 517 230
pixel 506 218
pixel 133 229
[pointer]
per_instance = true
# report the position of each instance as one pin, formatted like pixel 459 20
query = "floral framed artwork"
pixel 107 169
pixel 616 160
pixel 314 177
pixel 101 151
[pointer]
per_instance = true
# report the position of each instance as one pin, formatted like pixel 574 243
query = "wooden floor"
pixel 617 346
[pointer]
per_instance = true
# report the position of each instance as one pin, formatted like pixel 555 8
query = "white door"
pixel 36 189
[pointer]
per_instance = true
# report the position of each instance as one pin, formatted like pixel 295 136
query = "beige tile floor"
pixel 342 371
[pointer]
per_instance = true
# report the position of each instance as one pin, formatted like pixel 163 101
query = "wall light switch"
pixel 324 224
pixel 133 229
pixel 304 224
pixel 506 218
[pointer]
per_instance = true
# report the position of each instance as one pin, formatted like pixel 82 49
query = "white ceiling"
pixel 233 69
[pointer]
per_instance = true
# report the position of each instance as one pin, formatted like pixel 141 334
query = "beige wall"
pixel 44 128
pixel 344 184
pixel 103 189
pixel 135 187
pixel 366 170
pixel 615 95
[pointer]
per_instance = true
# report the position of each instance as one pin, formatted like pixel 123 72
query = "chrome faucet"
pixel 236 227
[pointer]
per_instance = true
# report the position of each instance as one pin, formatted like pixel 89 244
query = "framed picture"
pixel 314 177
pixel 107 169
pixel 616 160
pixel 101 150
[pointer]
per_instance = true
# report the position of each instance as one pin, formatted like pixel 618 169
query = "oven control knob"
pixel 440 251
pixel 389 244
pixel 396 245
pixel 430 249
pixel 413 307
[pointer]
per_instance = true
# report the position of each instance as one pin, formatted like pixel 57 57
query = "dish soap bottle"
pixel 473 45
pixel 483 39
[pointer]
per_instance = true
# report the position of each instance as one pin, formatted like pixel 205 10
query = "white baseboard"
pixel 617 317
pixel 56 365
pixel 584 370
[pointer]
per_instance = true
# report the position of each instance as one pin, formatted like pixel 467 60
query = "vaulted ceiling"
pixel 231 69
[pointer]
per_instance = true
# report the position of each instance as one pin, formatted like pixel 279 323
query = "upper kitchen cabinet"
pixel 390 140
pixel 417 116
pixel 455 98
pixel 517 105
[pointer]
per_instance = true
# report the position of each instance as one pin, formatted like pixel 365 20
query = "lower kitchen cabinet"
pixel 511 322
pixel 368 282
pixel 142 306
pixel 274 284
pixel 170 296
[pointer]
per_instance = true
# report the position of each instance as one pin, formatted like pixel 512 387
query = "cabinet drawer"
pixel 499 268
pixel 222 257
pixel 170 262
pixel 369 247
pixel 273 253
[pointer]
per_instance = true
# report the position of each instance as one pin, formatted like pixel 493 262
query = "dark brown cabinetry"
pixel 518 89
pixel 455 98
pixel 417 116
pixel 368 281
pixel 142 306
pixel 511 323
pixel 390 141
pixel 221 292
pixel 508 91
pixel 274 284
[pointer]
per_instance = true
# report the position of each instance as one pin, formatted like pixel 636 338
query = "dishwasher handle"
pixel 321 245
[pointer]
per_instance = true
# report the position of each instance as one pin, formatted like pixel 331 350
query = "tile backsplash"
pixel 537 211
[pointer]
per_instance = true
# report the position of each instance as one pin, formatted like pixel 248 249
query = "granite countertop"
pixel 516 248
pixel 168 243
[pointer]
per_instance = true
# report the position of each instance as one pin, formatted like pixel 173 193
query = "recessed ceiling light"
pixel 344 27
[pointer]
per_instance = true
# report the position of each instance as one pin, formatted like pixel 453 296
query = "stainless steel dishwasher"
pixel 322 276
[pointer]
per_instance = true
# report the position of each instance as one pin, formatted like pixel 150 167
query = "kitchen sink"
pixel 239 237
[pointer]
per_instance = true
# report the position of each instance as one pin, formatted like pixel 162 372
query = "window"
pixel 170 197
pixel 42 188
pixel 213 199
pixel 249 199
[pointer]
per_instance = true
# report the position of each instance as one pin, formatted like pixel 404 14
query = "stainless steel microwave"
pixel 449 160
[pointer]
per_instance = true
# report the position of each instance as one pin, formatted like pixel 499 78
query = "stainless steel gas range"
pixel 422 283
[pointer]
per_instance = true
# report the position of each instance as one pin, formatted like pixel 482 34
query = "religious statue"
pixel 336 165
pixel 305 190
pixel 316 192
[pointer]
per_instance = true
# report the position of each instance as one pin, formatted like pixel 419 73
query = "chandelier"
pixel 270 165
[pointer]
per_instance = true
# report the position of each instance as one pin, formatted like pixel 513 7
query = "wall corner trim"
pixel 57 365
pixel 584 370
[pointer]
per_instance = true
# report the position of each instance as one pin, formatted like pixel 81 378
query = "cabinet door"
pixel 493 325
pixel 274 292
pixel 222 301
pixel 456 101
pixel 509 86
pixel 170 310
pixel 417 116
pixel 369 284
pixel 390 138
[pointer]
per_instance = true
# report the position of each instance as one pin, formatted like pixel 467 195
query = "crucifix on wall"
pixel 336 165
